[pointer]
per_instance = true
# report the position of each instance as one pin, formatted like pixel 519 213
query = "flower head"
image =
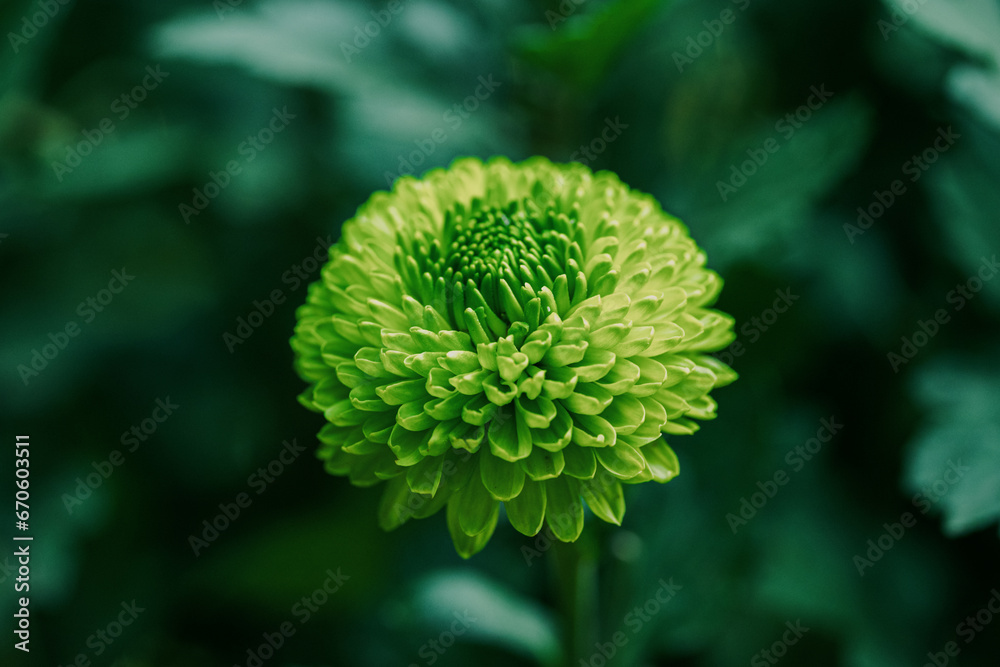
pixel 509 333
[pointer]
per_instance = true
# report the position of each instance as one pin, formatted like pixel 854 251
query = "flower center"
pixel 487 241
pixel 488 256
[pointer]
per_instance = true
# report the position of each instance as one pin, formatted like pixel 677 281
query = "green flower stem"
pixel 577 580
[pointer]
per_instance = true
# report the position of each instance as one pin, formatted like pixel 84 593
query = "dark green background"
pixel 896 81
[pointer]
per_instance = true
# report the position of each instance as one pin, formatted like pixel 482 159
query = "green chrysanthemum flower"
pixel 509 333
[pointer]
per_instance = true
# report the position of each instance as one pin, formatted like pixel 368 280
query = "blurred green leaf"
pixel 581 48
pixel 954 460
pixel 965 198
pixel 291 42
pixel 772 204
pixel 501 617
pixel 969 25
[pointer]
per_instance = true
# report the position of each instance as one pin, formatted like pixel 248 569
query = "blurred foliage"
pixel 697 90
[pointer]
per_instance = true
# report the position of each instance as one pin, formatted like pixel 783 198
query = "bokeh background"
pixel 212 149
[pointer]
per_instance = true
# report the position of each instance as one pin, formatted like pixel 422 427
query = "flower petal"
pixel 536 414
pixel 460 361
pixel 593 431
pixel 605 498
pixel 564 508
pixel 406 445
pixel 588 399
pixel 541 464
pixel 478 410
pixel 622 378
pixel 662 461
pixel 477 509
pixel 393 509
pixel 625 414
pixel 466 545
pixel 559 383
pixel 622 461
pixel 595 364
pixel 504 480
pixel 498 391
pixel 526 511
pixel 507 440
pixel 580 462
pixel 413 417
pixel 425 477
pixel 398 393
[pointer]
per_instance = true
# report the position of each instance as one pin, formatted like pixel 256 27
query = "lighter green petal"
pixel 526 511
pixel 503 479
pixel 467 545
pixel 605 498
pixel 476 507
pixel 564 508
